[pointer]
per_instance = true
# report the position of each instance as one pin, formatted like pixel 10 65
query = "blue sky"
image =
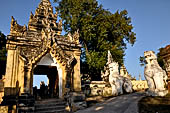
pixel 150 18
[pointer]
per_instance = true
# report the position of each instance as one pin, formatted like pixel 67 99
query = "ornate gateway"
pixel 28 47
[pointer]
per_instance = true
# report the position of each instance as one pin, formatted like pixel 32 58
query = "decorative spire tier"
pixel 44 18
pixel 28 45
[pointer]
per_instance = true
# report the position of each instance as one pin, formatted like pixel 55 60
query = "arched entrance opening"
pixel 49 68
pixel 37 79
pixel 38 82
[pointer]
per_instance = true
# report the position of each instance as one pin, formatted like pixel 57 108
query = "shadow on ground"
pixel 154 105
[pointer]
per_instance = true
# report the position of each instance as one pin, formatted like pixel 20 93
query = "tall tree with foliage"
pixel 100 30
pixel 2 54
pixel 160 59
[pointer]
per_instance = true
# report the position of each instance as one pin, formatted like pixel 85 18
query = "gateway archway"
pixel 28 46
pixel 47 66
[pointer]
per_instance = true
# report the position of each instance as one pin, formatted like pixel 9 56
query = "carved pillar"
pixel 10 76
pixel 27 80
pixel 61 80
pixel 76 76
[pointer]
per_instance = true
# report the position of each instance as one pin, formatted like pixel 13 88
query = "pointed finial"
pixel 76 36
pixel 45 1
pixel 13 23
pixel 60 24
pixel 12 19
pixel 59 27
pixel 140 77
pixel 110 59
pixel 31 15
pixel 42 31
pixel 56 14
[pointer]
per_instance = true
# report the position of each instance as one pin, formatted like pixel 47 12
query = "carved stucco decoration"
pixel 26 46
pixel 74 38
pixel 17 29
pixel 48 43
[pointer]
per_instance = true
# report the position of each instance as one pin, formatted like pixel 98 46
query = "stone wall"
pixel 139 85
pixel 3 109
pixel 98 88
pixel 1 90
pixel 102 88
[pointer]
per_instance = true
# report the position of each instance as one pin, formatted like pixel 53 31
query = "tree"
pixel 160 59
pixel 2 54
pixel 142 60
pixel 99 29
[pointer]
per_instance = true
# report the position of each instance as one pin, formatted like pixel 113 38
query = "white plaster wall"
pixel 46 60
pixel 60 80
pixel 60 76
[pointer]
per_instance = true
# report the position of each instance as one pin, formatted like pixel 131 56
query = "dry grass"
pixel 154 104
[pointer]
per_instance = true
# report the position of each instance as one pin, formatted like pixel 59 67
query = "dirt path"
pixel 119 104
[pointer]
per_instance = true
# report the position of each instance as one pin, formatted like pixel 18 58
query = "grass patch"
pixel 151 104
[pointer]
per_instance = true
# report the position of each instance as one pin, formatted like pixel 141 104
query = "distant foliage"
pixel 100 30
pixel 160 59
pixel 2 54
pixel 142 60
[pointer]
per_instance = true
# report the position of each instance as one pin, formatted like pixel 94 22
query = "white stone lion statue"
pixel 117 82
pixel 114 79
pixel 156 77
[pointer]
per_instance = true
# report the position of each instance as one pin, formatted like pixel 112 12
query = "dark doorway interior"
pixel 51 89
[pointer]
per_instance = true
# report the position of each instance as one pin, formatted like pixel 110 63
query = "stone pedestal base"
pixel 157 93
pixel 9 100
pixel 107 92
pixel 76 101
pixel 3 109
pixel 26 103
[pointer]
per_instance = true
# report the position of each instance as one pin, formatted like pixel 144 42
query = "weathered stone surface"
pixel 107 92
pixel 99 88
pixel 76 100
pixel 117 82
pixel 124 72
pixel 127 85
pixel 155 75
pixel 139 85
pixel 3 109
pixel 27 45
pixel 95 91
pixel 113 83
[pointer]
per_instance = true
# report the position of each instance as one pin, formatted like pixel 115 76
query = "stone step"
pixel 52 111
pixel 50 108
pixel 48 101
pixel 52 105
